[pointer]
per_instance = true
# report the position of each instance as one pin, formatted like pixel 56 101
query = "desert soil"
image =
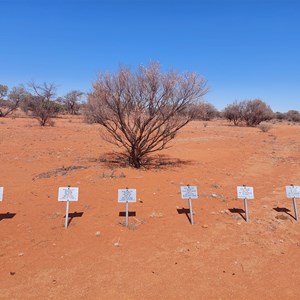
pixel 160 255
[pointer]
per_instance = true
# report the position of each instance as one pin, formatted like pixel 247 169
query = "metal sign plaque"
pixel 292 191
pixel 126 195
pixel 245 192
pixel 68 194
pixel 189 192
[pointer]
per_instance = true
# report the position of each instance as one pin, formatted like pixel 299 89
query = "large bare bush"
pixel 143 110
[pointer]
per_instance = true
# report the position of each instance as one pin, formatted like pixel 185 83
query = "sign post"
pixel 246 193
pixel 67 194
pixel 126 195
pixel 293 191
pixel 1 193
pixel 189 192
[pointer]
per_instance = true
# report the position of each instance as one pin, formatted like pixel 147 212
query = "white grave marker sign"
pixel 245 192
pixel 1 193
pixel 126 195
pixel 189 192
pixel 68 194
pixel 292 191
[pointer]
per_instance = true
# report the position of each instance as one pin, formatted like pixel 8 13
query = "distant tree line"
pixel 39 101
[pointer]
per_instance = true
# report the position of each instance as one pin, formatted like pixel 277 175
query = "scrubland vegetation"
pixel 140 110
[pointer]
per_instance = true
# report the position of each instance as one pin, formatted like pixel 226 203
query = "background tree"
pixel 292 116
pixel 143 110
pixel 234 112
pixel 257 111
pixel 250 112
pixel 10 100
pixel 72 101
pixel 42 103
pixel 203 111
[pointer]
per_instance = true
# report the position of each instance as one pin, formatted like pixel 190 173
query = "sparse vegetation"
pixel 265 127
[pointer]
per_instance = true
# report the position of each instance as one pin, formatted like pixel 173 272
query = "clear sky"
pixel 245 49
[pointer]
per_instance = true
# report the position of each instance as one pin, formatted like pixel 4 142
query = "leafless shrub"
pixel 143 111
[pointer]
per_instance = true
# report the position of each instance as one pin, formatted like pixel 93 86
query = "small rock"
pixel 21 254
pixel 98 233
pixel 12 273
pixel 205 226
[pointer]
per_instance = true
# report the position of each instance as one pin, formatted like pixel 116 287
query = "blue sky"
pixel 245 49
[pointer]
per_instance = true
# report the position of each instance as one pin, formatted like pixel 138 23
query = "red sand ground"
pixel 161 256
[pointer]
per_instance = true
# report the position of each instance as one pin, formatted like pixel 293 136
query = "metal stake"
pixel 295 208
pixel 67 209
pixel 67 213
pixel 191 211
pixel 126 213
pixel 246 208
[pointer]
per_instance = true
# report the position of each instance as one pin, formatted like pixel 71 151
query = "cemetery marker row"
pixel 68 194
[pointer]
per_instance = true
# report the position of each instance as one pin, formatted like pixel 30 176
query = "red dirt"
pixel 161 256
